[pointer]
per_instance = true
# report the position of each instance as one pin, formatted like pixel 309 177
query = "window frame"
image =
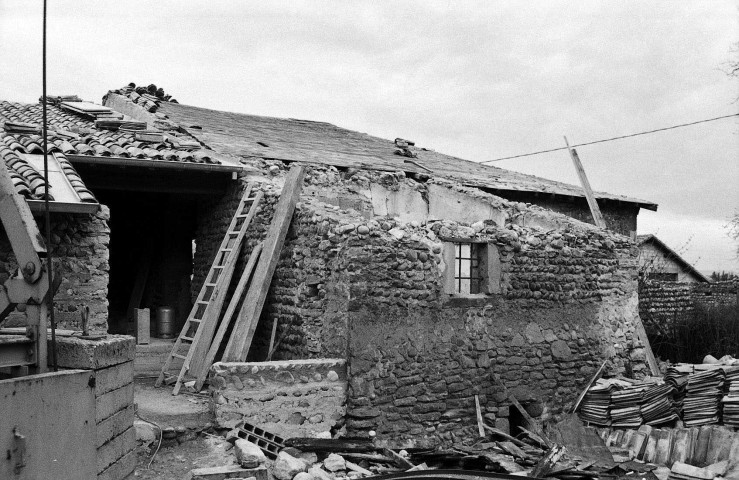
pixel 488 268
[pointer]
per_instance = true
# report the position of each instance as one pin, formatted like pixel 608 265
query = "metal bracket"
pixel 19 451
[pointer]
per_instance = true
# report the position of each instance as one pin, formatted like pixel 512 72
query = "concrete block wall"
pixel 299 398
pixel 80 245
pixel 111 360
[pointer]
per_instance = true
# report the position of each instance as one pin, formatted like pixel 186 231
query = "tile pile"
pixel 625 411
pixel 702 398
pixel 657 405
pixel 596 405
pixel 730 402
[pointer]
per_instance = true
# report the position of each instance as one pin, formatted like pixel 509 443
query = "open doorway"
pixel 151 257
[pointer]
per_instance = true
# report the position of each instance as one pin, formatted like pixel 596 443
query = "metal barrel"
pixel 165 322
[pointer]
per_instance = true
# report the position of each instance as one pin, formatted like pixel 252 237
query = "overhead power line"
pixel 612 139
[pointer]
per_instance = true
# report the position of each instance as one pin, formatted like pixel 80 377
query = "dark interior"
pixel 153 217
pixel 150 255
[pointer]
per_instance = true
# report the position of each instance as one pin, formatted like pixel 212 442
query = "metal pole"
pixel 47 220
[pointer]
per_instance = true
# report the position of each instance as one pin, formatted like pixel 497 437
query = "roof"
pixel 642 239
pixel 289 139
pixel 82 131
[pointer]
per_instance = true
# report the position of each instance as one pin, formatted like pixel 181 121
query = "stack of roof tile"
pixel 730 402
pixel 657 405
pixel 625 406
pixel 703 393
pixel 596 404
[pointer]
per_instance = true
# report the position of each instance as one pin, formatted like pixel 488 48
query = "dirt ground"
pixel 175 462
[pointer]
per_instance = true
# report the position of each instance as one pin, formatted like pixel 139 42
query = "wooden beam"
pixel 594 379
pixel 226 321
pixel 592 202
pixel 246 323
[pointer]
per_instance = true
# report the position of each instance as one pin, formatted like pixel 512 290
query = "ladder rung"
pixel 218 266
pixel 242 215
pixel 227 249
pixel 177 355
pixel 210 285
pixel 189 339
pixel 202 302
pixel 196 320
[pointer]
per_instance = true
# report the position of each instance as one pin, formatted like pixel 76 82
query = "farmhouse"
pixel 431 279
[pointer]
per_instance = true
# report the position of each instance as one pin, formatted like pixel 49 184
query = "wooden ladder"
pixel 197 333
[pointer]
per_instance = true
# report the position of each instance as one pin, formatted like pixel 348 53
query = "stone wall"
pixel 368 288
pixel 300 398
pixel 417 357
pixel 79 243
pixel 661 303
pixel 306 297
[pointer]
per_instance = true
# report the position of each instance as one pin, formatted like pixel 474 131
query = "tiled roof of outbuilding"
pixel 72 132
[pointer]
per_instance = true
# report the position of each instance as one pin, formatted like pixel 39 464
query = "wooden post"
pixel 246 323
pixel 592 202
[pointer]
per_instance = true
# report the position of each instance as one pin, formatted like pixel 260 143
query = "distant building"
pixel 659 262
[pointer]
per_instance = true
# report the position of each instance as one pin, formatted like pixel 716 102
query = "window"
pixel 467 275
pixel 471 268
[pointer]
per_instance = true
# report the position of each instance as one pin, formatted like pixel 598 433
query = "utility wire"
pixel 47 220
pixel 611 139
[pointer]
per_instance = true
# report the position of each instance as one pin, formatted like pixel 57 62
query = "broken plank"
pixel 480 423
pixel 545 465
pixel 593 379
pixel 534 424
pixel 399 460
pixel 511 448
pixel 501 433
pixel 370 457
pixel 246 323
pixel 356 468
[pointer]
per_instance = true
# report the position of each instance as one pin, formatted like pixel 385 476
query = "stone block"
pixel 115 449
pixel 228 471
pixel 120 469
pixel 74 352
pixel 112 378
pixel 112 402
pixel 114 425
pixel 286 466
pixel 248 454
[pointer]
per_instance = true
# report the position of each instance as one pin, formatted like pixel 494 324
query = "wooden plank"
pixel 544 466
pixel 642 334
pixel 331 445
pixel 534 424
pixel 201 374
pixel 593 379
pixel 480 423
pixel 246 323
pixel 208 326
pixel 592 202
pixel 398 459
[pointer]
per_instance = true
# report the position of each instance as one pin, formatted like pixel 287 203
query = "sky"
pixel 478 80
